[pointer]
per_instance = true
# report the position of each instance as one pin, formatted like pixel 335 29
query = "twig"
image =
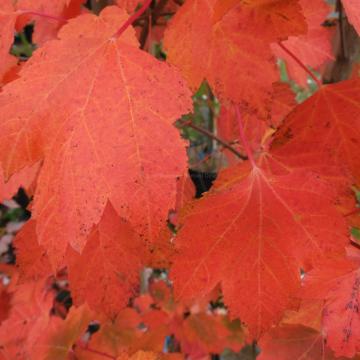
pixel 244 141
pixel 132 19
pixel 300 63
pixel 213 136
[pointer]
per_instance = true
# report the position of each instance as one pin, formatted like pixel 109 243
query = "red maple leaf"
pixel 255 229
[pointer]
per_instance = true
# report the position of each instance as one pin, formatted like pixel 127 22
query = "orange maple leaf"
pixel 95 102
pixel 110 266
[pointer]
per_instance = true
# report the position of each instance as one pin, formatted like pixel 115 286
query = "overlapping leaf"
pixel 324 130
pixel 7 23
pixel 110 266
pixel 26 178
pixel 29 317
pixel 295 342
pixel 308 314
pixel 185 191
pixel 31 257
pixel 201 334
pixel 341 321
pixel 312 48
pixel 228 44
pixel 5 303
pixel 114 337
pixel 277 19
pixel 338 283
pixel 353 12
pixel 47 28
pixel 60 337
pixel 95 102
pixel 15 14
pixel 255 230
pixel 257 131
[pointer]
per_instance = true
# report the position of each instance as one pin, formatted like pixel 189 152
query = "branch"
pixel 300 63
pixel 216 138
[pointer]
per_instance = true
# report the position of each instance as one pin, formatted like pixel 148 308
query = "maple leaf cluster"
pixel 263 262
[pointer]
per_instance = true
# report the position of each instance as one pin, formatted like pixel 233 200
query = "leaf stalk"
pixel 132 19
pixel 300 63
pixel 40 14
pixel 243 138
